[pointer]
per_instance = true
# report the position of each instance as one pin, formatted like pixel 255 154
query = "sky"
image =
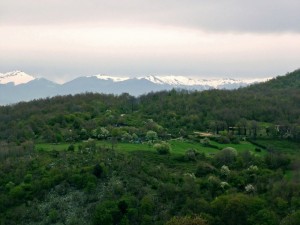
pixel 61 40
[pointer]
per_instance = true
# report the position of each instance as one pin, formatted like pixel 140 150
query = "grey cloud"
pixel 212 15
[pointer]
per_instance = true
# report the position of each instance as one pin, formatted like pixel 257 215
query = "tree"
pixel 186 220
pixel 242 124
pixel 203 169
pixel 71 148
pixel 110 213
pixel 98 170
pixel 151 135
pixel 103 213
pixel 225 171
pixel 237 209
pixel 264 217
pixel 205 142
pixel 115 133
pixel 226 156
pixel 277 160
pixel 291 219
pixel 162 148
pixel 126 137
pixel 254 128
pixel 190 155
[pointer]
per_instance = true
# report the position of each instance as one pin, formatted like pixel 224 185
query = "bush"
pixel 291 219
pixel 277 160
pixel 162 148
pixel 53 216
pixel 71 148
pixel 17 192
pixel 205 142
pixel 235 140
pixel 190 155
pixel 203 169
pixel 226 156
pixel 187 220
pixel 111 212
pixel 151 135
pixel 257 149
pixel 98 170
pixel 223 140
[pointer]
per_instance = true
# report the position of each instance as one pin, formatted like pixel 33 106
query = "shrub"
pixel 257 149
pixel 226 156
pixel 205 142
pixel 162 148
pixel 17 192
pixel 223 140
pixel 71 148
pixel 235 140
pixel 225 171
pixel 98 170
pixel 203 169
pixel 277 160
pixel 187 220
pixel 190 155
pixel 291 219
pixel 111 212
pixel 151 135
pixel 53 216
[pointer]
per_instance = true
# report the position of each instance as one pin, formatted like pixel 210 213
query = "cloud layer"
pixel 213 15
pixel 63 39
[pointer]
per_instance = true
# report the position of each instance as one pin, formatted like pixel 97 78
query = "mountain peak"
pixel 171 80
pixel 17 77
pixel 187 81
pixel 113 78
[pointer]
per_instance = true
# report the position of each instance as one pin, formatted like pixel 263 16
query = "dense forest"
pixel 172 157
pixel 276 103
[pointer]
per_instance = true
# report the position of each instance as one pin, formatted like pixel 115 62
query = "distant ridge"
pixel 18 86
pixel 15 77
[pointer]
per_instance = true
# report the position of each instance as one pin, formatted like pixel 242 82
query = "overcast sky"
pixel 63 39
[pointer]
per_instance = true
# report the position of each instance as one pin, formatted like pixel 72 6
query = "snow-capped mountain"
pixel 18 86
pixel 112 78
pixel 16 77
pixel 171 80
pixel 214 83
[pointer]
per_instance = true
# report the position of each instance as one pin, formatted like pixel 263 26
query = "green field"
pixel 283 146
pixel 177 146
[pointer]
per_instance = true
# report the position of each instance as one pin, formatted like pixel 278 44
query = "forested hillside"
pixel 172 157
pixel 275 103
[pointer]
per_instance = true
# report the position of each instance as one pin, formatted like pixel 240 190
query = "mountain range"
pixel 18 86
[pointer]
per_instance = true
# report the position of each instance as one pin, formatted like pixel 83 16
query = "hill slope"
pixel 91 158
pixel 175 111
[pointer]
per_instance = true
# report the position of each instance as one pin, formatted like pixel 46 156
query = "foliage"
pixel 226 156
pixel 187 220
pixel 292 219
pixel 162 148
pixel 59 162
pixel 151 135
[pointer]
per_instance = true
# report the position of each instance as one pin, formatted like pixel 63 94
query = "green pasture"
pixel 242 146
pixel 177 146
pixel 284 146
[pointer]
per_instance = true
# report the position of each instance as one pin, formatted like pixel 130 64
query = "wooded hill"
pixel 119 160
pixel 270 108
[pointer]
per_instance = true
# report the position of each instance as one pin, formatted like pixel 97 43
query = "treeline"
pixel 271 109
